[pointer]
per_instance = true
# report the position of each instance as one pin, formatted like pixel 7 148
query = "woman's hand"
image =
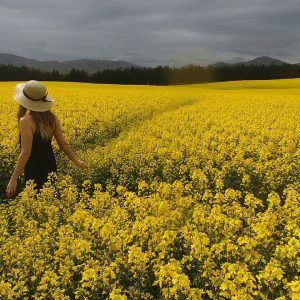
pixel 81 164
pixel 11 188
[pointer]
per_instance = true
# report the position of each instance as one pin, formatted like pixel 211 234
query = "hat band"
pixel 43 99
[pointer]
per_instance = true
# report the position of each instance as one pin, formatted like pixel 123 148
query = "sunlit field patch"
pixel 192 192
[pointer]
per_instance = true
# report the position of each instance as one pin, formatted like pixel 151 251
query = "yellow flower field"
pixel 193 192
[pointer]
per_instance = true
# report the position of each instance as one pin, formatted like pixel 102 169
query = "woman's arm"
pixel 64 146
pixel 26 144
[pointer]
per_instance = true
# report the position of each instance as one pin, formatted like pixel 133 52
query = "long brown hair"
pixel 44 121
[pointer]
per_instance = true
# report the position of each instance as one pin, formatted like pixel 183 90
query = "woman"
pixel 37 125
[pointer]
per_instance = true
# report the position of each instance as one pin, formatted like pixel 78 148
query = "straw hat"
pixel 33 96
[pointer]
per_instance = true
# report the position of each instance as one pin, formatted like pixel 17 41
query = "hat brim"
pixel 29 104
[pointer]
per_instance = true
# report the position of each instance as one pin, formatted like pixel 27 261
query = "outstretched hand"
pixel 81 164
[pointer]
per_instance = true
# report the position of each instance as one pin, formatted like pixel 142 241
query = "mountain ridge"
pixel 259 61
pixel 88 65
pixel 93 65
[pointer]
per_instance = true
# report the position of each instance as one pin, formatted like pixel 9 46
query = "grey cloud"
pixel 151 32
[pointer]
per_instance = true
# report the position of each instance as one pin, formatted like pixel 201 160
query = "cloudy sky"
pixel 151 32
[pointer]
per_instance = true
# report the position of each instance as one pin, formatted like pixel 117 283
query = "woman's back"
pixel 41 160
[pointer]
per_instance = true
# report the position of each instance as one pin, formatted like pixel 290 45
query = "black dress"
pixel 41 161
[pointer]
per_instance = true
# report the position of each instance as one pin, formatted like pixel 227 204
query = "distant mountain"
pixel 265 61
pixel 93 66
pixel 88 65
pixel 260 61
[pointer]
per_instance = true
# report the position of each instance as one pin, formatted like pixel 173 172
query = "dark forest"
pixel 160 75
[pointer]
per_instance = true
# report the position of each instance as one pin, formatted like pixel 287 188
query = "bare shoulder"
pixel 27 122
pixel 27 119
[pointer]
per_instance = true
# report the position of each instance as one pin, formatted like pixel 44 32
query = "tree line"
pixel 160 75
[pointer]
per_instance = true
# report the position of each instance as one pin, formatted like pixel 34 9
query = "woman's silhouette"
pixel 37 125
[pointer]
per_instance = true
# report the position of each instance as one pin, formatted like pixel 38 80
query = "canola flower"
pixel 193 192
